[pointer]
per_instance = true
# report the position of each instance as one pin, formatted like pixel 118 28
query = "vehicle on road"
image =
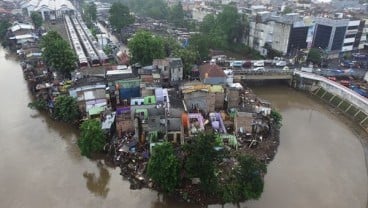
pixel 259 69
pixel 258 63
pixel 281 63
pixel 307 69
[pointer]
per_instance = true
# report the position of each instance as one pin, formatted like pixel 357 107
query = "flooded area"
pixel 320 161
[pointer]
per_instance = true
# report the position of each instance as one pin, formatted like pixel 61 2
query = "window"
pixel 149 100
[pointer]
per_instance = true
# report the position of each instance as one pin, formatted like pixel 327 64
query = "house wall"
pixel 233 98
pixel 176 74
pixel 281 34
pixel 219 100
pixel 205 101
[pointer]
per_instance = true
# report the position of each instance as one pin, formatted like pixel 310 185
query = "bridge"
pixel 267 74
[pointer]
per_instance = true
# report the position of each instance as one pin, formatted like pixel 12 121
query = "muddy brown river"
pixel 320 161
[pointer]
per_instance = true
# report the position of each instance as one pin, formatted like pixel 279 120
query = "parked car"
pixel 281 63
pixel 247 64
pixel 259 69
pixel 258 63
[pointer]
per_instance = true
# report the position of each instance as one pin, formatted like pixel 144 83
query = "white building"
pixel 49 9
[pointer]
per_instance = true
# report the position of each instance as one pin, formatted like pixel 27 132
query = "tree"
pixel 57 53
pixel 277 117
pixel 200 44
pixel 91 10
pixel 66 109
pixel 49 38
pixel 177 15
pixel 170 45
pixel 163 167
pixel 156 9
pixel 201 161
pixel 287 10
pixel 144 47
pixel 39 104
pixel 314 56
pixel 92 137
pixel 119 16
pixel 208 23
pixel 230 23
pixel 36 19
pixel 245 182
pixel 4 26
pixel 188 56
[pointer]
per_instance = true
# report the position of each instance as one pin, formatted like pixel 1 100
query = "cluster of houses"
pixel 141 106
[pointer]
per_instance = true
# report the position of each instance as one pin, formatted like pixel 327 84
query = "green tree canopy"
pixel 230 23
pixel 156 9
pixel 144 47
pixel 66 109
pixel 170 45
pixel 36 19
pixel 163 167
pixel 177 15
pixel 4 26
pixel 119 16
pixel 287 10
pixel 92 137
pixel 57 53
pixel 91 11
pixel 247 181
pixel 225 29
pixel 277 117
pixel 201 161
pixel 201 44
pixel 314 55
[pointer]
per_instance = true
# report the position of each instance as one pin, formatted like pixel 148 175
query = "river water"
pixel 320 162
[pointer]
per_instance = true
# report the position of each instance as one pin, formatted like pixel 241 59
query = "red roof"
pixel 211 70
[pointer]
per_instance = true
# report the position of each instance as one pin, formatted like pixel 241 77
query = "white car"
pixel 281 63
pixel 258 63
pixel 259 69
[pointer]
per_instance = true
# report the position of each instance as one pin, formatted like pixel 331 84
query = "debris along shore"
pixel 259 139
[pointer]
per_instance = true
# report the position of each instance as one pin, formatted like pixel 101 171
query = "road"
pixel 113 38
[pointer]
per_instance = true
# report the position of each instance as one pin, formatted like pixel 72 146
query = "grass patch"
pixel 335 101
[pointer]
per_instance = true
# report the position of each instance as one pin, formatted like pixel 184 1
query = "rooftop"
pixel 211 70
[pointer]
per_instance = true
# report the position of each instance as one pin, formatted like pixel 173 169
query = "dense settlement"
pixel 196 134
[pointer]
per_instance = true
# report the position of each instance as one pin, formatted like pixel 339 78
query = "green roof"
pixel 145 112
pixel 95 110
pixel 149 100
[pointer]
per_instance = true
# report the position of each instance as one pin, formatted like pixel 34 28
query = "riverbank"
pixel 35 147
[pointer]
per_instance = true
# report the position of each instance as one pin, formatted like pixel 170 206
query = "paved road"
pixel 113 38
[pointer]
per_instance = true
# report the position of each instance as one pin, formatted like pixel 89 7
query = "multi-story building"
pixel 285 34
pixel 364 33
pixel 329 34
pixel 336 36
pixel 290 33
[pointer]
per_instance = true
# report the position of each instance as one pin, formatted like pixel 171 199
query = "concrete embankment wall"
pixel 343 99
